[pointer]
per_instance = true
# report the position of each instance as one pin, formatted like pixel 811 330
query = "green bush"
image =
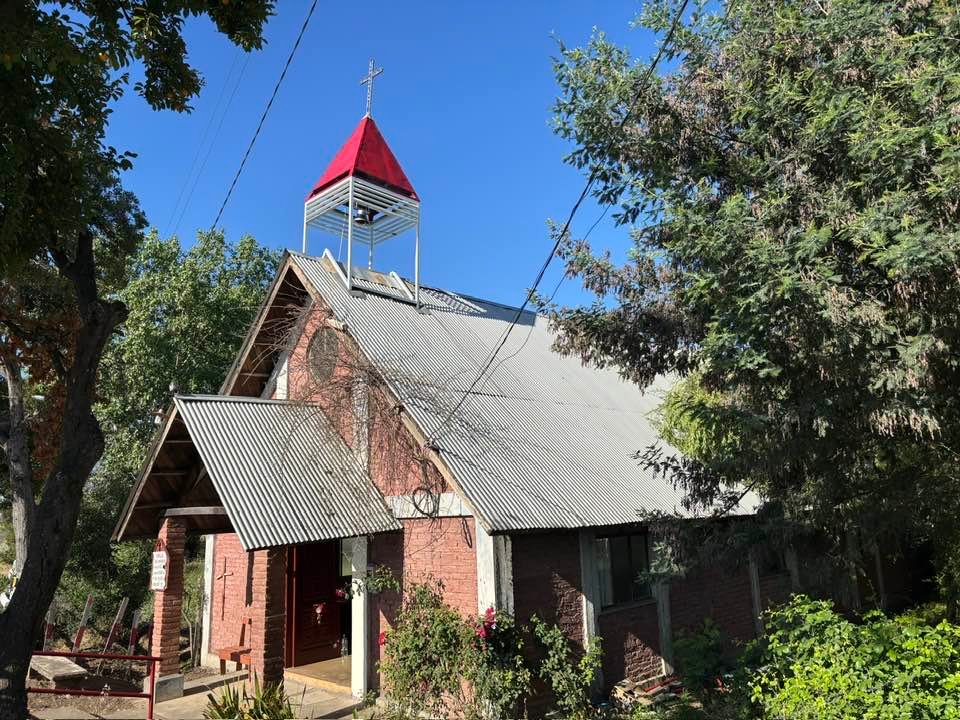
pixel 437 663
pixel 699 657
pixel 821 666
pixel 571 679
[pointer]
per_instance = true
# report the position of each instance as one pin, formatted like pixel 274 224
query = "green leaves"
pixel 791 190
pixel 60 72
pixel 819 666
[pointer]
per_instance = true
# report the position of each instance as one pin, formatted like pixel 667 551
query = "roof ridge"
pixel 456 293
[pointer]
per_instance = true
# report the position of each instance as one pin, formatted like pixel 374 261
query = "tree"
pixel 66 231
pixel 188 311
pixel 790 187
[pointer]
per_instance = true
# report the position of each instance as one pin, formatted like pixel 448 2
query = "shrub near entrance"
pixel 437 663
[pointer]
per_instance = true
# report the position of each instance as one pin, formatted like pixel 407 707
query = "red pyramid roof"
pixel 367 155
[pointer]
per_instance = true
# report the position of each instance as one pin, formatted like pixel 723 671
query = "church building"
pixel 348 439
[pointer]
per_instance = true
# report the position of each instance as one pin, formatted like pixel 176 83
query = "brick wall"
pixel 546 580
pixel 775 589
pixel 631 642
pixel 228 602
pixel 722 595
pixel 444 548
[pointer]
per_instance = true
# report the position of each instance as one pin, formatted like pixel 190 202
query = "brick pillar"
pixel 166 603
pixel 268 611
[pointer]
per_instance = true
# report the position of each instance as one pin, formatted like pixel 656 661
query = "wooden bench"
pixel 239 653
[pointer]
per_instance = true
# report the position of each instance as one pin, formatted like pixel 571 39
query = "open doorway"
pixel 318 617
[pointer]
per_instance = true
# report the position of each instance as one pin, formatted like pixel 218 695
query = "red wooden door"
pixel 314 578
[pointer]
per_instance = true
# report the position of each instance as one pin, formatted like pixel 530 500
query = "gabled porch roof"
pixel 273 471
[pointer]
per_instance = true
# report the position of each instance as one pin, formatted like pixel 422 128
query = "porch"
pixel 301 506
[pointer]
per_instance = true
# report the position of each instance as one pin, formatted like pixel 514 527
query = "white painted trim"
pixel 282 391
pixel 205 656
pixel 494 571
pixel 448 504
pixel 361 422
pixel 589 583
pixel 757 607
pixel 590 593
pixel 359 624
pixel 486 570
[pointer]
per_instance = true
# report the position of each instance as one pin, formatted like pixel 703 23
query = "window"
pixel 322 353
pixel 620 561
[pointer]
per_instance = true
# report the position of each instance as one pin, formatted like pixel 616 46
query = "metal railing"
pixel 152 661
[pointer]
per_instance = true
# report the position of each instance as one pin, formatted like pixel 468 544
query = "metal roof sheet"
pixel 545 442
pixel 282 472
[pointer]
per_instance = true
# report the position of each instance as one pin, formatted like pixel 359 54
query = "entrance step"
pixel 330 675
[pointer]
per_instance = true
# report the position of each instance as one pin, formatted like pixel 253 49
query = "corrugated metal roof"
pixel 282 472
pixel 545 442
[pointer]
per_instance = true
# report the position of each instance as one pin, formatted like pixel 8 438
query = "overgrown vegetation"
pixel 188 310
pixel 788 177
pixel 437 662
pixel 570 675
pixel 818 665
pixel 263 702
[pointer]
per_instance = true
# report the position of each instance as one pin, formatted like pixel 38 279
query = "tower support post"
pixel 350 237
pixel 416 263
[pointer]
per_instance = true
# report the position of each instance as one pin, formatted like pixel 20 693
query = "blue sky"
pixel 464 102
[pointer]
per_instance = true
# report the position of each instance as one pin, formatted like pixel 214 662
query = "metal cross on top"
pixel 372 72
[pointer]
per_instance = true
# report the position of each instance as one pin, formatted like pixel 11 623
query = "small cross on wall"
pixel 372 72
pixel 223 590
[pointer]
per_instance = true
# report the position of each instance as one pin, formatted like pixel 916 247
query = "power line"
pixel 203 140
pixel 211 146
pixel 566 228
pixel 266 111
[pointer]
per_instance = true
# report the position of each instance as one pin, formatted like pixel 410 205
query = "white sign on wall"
pixel 158 570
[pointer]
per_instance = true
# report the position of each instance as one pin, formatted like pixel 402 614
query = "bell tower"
pixel 364 195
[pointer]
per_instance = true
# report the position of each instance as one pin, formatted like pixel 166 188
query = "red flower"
pixel 382 640
pixel 341 594
pixel 482 631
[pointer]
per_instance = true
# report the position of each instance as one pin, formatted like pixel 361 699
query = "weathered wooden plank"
pixel 56 669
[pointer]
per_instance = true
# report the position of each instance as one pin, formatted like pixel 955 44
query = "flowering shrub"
pixel 435 662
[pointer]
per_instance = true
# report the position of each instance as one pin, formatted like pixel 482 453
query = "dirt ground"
pixel 98 706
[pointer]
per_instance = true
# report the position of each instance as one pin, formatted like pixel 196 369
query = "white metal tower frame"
pixel 336 210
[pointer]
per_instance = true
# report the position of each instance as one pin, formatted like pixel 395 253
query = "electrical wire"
pixel 203 141
pixel 266 111
pixel 563 233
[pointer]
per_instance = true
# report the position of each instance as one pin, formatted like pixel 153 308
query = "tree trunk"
pixel 55 517
pixel 16 446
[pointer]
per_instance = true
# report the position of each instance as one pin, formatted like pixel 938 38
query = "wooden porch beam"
pixel 192 511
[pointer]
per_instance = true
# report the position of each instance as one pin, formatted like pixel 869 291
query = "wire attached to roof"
pixel 563 233
pixel 266 111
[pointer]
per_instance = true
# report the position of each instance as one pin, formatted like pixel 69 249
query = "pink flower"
pixel 482 631
pixel 341 594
